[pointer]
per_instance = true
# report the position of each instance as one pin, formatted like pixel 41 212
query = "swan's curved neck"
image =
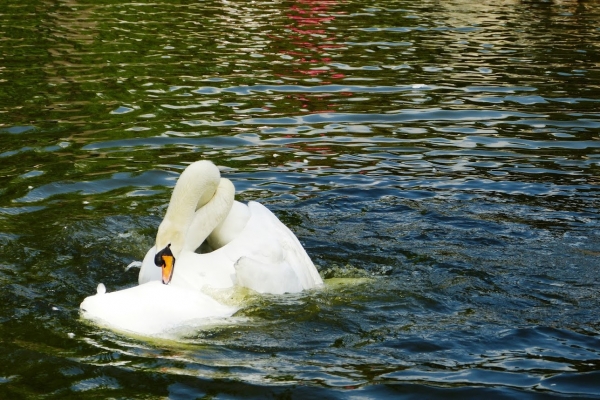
pixel 209 216
pixel 195 188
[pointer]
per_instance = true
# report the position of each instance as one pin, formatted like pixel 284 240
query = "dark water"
pixel 445 153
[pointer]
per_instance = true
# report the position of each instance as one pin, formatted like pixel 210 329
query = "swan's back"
pixel 264 256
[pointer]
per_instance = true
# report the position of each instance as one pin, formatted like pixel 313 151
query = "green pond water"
pixel 440 162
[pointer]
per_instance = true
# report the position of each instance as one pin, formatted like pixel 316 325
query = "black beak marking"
pixel 158 260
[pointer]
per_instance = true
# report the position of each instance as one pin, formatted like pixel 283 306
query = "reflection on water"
pixel 440 161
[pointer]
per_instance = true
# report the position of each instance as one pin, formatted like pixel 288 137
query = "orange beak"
pixel 168 267
pixel 166 261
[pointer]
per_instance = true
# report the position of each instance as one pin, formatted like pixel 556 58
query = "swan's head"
pixel 165 260
pixel 184 227
pixel 169 243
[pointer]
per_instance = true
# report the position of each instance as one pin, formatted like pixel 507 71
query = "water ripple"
pixel 438 160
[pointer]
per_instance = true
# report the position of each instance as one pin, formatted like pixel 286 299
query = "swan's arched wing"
pixel 290 251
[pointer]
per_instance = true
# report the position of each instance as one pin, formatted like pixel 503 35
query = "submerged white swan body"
pixel 249 246
pixel 153 309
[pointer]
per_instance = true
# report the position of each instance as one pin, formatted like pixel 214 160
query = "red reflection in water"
pixel 307 46
pixel 308 17
pixel 311 41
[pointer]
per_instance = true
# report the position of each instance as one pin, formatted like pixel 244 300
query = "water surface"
pixel 444 155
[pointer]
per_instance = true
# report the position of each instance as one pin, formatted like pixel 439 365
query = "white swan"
pixel 250 248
